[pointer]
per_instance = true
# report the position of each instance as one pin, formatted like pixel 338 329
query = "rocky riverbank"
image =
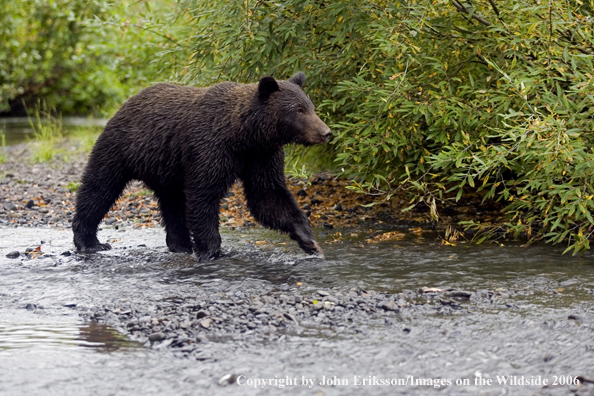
pixel 386 301
pixel 43 194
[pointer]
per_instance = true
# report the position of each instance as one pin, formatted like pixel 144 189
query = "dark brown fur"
pixel 189 145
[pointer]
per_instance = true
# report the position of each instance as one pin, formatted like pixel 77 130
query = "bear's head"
pixel 294 112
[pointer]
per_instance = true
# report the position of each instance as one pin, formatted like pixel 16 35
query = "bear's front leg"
pixel 305 239
pixel 272 204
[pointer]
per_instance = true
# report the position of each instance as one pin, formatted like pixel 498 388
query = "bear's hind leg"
pixel 94 198
pixel 173 209
pixel 203 222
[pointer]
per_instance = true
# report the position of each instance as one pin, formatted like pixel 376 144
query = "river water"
pixel 18 129
pixel 543 331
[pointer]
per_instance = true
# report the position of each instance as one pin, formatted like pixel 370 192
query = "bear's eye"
pixel 300 110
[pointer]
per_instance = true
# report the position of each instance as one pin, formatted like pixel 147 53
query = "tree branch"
pixel 494 6
pixel 464 10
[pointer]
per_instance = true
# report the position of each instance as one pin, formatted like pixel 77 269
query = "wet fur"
pixel 189 145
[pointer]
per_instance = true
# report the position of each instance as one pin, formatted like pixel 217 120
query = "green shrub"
pixel 438 97
pixel 77 56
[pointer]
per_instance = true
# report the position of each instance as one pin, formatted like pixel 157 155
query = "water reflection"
pixel 99 337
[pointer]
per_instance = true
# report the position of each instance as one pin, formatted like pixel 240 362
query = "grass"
pixel 47 134
pixel 49 137
pixel 85 137
pixel 3 143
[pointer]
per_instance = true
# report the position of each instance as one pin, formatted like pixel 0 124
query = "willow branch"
pixel 464 10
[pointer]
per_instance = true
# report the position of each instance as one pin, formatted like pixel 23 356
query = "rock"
pixel 337 207
pixel 155 337
pixel 202 314
pixel 316 201
pixel 66 253
pixel 306 207
pixel 323 293
pixel 301 193
pixel 29 204
pixel 461 294
pixel 290 317
pixel 206 323
pixel 388 306
pixel 31 307
pixel 328 226
pixel 227 379
pixel 9 206
pixel 573 317
pixel 13 255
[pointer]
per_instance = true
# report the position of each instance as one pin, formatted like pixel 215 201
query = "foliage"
pixel 442 97
pixel 47 134
pixel 78 56
pixel 85 137
pixel 73 186
pixel 3 146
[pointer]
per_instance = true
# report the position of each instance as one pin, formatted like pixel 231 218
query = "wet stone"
pixel 461 294
pixel 388 306
pixel 13 255
pixel 155 337
pixel 9 206
pixel 206 323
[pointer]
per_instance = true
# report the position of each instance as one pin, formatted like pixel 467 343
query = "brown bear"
pixel 189 145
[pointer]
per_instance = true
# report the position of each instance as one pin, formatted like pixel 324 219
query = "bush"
pixel 77 56
pixel 440 97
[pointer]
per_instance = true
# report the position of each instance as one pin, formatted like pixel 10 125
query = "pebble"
pixel 185 323
pixel 389 306
pixel 13 255
pixel 206 323
pixel 155 337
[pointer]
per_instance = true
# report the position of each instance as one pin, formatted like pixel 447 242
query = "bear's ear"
pixel 267 87
pixel 298 79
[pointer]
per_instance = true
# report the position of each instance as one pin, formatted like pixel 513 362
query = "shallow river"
pixel 546 332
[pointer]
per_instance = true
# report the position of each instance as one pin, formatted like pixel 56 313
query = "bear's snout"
pixel 326 135
pixel 318 132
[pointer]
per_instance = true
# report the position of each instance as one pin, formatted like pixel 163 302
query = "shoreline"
pixel 43 194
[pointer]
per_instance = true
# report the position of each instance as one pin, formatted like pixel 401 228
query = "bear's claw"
pixel 95 248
